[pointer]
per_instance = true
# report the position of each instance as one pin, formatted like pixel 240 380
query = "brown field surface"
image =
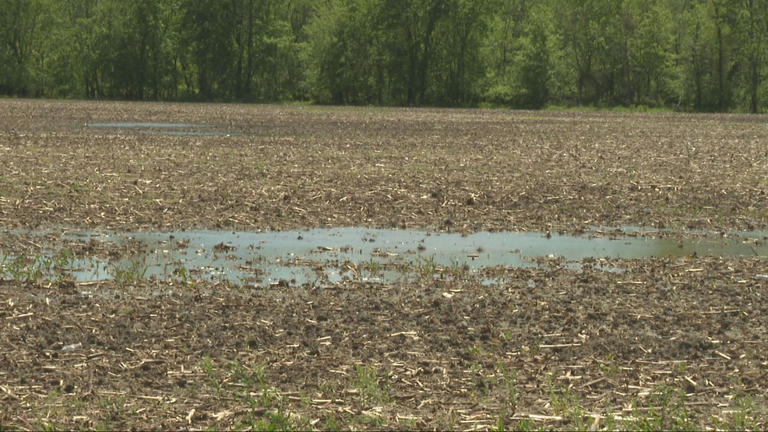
pixel 665 343
pixel 451 169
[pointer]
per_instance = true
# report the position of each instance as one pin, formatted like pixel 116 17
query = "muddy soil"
pixel 668 342
pixel 550 346
pixel 451 170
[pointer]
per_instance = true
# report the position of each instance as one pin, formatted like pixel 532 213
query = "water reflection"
pixel 369 255
pixel 156 128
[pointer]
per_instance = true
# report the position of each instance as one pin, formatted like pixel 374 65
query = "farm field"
pixel 662 341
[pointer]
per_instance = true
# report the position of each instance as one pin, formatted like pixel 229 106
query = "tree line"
pixel 696 55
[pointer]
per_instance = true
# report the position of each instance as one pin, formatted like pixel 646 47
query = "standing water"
pixel 375 255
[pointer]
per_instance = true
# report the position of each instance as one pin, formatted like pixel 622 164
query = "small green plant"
pixel 112 409
pixel 367 383
pixel 331 423
pixel 524 425
pixel 404 268
pixel 743 417
pixel 666 410
pixel 51 410
pixel 249 377
pixel 255 378
pixel 58 266
pixel 508 378
pixel 371 421
pixel 28 269
pixel 63 259
pixel 499 427
pixel 269 421
pixel 483 384
pixel 610 420
pixel 210 372
pixel 373 267
pixel 610 368
pixel 134 272
pixel 475 352
pixel 458 269
pixel 47 426
pixel 426 267
pixel 566 403
pixel 183 273
pixel 15 268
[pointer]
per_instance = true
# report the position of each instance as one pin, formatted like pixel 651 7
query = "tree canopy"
pixel 695 55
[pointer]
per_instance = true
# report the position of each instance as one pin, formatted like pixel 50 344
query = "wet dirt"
pixel 441 170
pixel 447 354
pixel 552 345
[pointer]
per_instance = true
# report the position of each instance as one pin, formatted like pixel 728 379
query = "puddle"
pixel 322 256
pixel 148 125
pixel 196 129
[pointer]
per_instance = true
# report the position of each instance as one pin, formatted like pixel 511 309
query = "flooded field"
pixel 152 128
pixel 331 255
pixel 287 267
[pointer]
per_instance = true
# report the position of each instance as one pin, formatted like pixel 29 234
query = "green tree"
pixel 207 28
pixel 647 36
pixel 753 36
pixel 340 50
pixel 534 76
pixel 697 61
pixel 19 25
pixel 413 22
pixel 590 33
pixel 133 57
pixel 458 65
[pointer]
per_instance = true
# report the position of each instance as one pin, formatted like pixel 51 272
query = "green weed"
pixel 113 409
pixel 372 420
pixel 744 417
pixel 269 398
pixel 566 403
pixel 211 374
pixel 135 271
pixel 373 267
pixel 524 425
pixel 331 423
pixel 508 379
pixel 483 384
pixel 666 411
pixel 367 383
pixel 269 421
pixel 458 269
pixel 610 368
pixel 499 427
pixel 426 267
pixel 27 269
pixel 183 273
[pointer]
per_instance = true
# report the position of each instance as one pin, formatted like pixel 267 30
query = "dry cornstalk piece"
pixel 537 417
pixel 222 415
pixel 725 356
pixel 154 398
pixel 593 382
pixel 560 345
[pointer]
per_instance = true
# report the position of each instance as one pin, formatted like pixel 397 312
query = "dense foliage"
pixel 703 55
